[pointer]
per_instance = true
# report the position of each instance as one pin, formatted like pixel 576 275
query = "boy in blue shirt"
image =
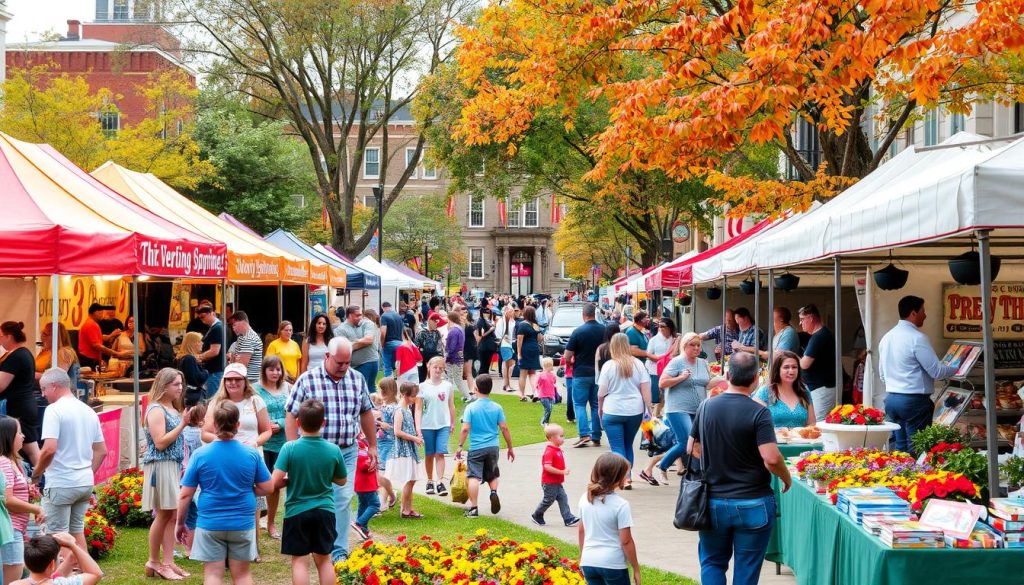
pixel 480 422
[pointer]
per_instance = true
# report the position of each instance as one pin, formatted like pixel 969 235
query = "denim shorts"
pixel 13 553
pixel 384 449
pixel 211 546
pixel 435 441
pixel 506 353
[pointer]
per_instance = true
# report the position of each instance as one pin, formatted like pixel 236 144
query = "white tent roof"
pixel 918 196
pixel 389 276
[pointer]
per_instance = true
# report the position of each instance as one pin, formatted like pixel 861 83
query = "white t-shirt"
pixel 435 404
pixel 248 410
pixel 76 427
pixel 601 524
pixel 658 345
pixel 623 397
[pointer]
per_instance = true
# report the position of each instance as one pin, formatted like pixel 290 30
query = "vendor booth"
pixel 392 282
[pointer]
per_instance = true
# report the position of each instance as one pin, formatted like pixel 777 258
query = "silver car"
pixel 567 317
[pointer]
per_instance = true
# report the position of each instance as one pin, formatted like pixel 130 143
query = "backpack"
pixel 429 343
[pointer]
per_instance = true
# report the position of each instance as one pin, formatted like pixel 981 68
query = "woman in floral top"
pixel 273 389
pixel 19 491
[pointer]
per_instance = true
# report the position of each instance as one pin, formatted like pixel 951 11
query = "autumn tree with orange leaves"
pixel 718 75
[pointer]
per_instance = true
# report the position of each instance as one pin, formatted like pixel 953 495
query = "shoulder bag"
pixel 693 505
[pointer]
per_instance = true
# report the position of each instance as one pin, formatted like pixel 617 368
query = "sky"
pixel 33 17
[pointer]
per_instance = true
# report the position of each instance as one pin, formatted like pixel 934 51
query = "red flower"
pixel 860 420
pixel 402 538
pixel 124 508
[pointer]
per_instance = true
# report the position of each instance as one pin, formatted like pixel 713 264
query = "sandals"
pixel 273 533
pixel 523 399
pixel 181 572
pixel 165 572
pixel 413 515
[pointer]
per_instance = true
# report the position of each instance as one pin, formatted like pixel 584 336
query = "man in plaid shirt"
pixel 731 334
pixel 347 410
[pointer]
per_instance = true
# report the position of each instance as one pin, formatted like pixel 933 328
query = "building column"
pixel 538 270
pixel 505 272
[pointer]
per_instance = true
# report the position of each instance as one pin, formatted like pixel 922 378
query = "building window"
pixel 110 123
pixel 429 170
pixel 102 13
pixel 120 9
pixel 513 215
pixel 808 146
pixel 957 123
pixel 371 163
pixel 476 212
pixel 476 262
pixel 483 167
pixel 531 214
pixel 370 201
pixel 410 161
pixel 931 127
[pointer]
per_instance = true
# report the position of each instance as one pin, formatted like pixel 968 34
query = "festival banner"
pixel 77 293
pixel 961 316
pixel 110 426
pixel 503 212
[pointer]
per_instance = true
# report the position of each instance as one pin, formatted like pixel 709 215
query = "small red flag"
pixel 451 206
pixel 503 212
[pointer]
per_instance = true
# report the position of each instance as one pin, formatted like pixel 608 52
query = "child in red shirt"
pixel 366 490
pixel 546 382
pixel 407 356
pixel 552 478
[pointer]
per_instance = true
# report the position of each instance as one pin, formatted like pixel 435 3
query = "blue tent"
pixel 357 278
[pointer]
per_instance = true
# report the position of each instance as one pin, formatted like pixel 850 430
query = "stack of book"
pixel 1006 516
pixel 911 534
pixel 873 502
pixel 873 522
pixel 983 536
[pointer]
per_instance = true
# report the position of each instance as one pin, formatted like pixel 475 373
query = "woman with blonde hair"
pixel 623 395
pixel 193 370
pixel 66 355
pixel 684 383
pixel 161 469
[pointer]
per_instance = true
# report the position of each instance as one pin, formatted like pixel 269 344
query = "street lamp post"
pixel 378 193
pixel 426 261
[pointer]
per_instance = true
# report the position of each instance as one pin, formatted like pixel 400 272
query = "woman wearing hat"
pixel 254 422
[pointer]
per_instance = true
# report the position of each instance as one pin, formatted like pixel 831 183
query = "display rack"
pixel 971 377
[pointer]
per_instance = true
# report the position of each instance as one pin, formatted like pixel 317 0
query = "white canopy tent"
pixel 391 281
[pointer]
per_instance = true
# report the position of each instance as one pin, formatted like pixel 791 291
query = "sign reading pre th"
pixel 962 311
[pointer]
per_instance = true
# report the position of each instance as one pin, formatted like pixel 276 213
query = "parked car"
pixel 567 317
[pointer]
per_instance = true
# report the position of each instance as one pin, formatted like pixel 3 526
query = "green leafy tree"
pixel 259 169
pixel 418 222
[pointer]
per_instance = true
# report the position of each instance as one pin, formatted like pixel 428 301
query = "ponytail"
pixel 610 470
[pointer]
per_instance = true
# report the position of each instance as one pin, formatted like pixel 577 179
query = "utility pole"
pixel 426 261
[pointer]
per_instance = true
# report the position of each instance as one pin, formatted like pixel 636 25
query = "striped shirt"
pixel 250 343
pixel 344 400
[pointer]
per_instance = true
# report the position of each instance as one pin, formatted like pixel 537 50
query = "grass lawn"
pixel 523 419
pixel 443 522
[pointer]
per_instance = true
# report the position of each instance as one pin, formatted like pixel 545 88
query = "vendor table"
pixel 826 547
pixel 774 553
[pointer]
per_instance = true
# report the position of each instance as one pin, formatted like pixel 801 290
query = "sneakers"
pixel 495 503
pixel 430 488
pixel 362 532
pixel 581 442
pixel 572 522
pixel 596 442
pixel 538 521
pixel 472 513
pixel 441 490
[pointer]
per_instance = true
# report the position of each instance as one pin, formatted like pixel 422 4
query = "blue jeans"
pixel 741 528
pixel 621 431
pixel 546 403
pixel 369 372
pixel 343 505
pixel 369 505
pixel 912 412
pixel 212 384
pixel 655 394
pixel 584 392
pixel 603 576
pixel 681 424
pixel 389 356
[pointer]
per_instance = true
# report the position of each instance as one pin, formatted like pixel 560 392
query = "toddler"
pixel 546 382
pixel 552 477
pixel 366 490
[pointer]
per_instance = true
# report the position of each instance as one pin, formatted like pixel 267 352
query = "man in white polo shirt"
pixel 73 449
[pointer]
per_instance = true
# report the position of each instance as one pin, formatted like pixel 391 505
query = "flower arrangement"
pixel 944 485
pixel 99 535
pixel 931 436
pixel 480 560
pixel 937 455
pixel 120 499
pixel 850 414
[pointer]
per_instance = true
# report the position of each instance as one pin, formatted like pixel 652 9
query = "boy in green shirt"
pixel 311 465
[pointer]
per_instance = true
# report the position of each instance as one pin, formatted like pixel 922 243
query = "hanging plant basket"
pixel 891 278
pixel 748 286
pixel 966 268
pixel 714 293
pixel 684 299
pixel 787 282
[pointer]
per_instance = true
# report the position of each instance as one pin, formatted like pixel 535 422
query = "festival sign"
pixel 253 267
pixel 182 258
pixel 77 293
pixel 961 317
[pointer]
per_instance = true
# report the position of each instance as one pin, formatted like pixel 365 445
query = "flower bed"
pixel 480 560
pixel 120 499
pixel 99 536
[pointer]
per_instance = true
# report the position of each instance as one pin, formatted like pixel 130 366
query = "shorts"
pixel 270 458
pixel 506 353
pixel 309 532
pixel 384 453
pixel 160 485
pixel 213 546
pixel 483 464
pixel 13 553
pixel 65 508
pixel 435 441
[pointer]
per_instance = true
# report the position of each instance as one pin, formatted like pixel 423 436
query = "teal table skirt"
pixel 824 547
pixel 774 553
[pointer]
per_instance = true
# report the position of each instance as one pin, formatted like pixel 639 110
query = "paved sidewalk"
pixel 659 544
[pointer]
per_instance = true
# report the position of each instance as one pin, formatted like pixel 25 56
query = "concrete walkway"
pixel 659 544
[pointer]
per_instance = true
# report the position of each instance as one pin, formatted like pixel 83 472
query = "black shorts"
pixel 309 532
pixel 270 458
pixel 483 464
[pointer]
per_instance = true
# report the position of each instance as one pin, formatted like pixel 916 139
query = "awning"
pixel 290 242
pixel 358 278
pixel 251 260
pixel 427 282
pixel 60 220
pixel 389 276
pixel 680 272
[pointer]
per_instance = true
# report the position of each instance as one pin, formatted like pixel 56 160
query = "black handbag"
pixel 693 505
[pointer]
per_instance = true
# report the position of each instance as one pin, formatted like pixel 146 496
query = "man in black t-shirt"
pixel 735 440
pixel 212 354
pixel 818 366
pixel 580 351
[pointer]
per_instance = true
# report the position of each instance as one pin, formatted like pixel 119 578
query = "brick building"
pixel 119 54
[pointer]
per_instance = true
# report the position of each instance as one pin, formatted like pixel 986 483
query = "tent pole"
pixel 693 306
pixel 838 327
pixel 280 302
pixel 991 440
pixel 721 333
pixel 757 317
pixel 135 373
pixel 55 311
pixel 224 323
pixel 868 389
pixel 771 317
